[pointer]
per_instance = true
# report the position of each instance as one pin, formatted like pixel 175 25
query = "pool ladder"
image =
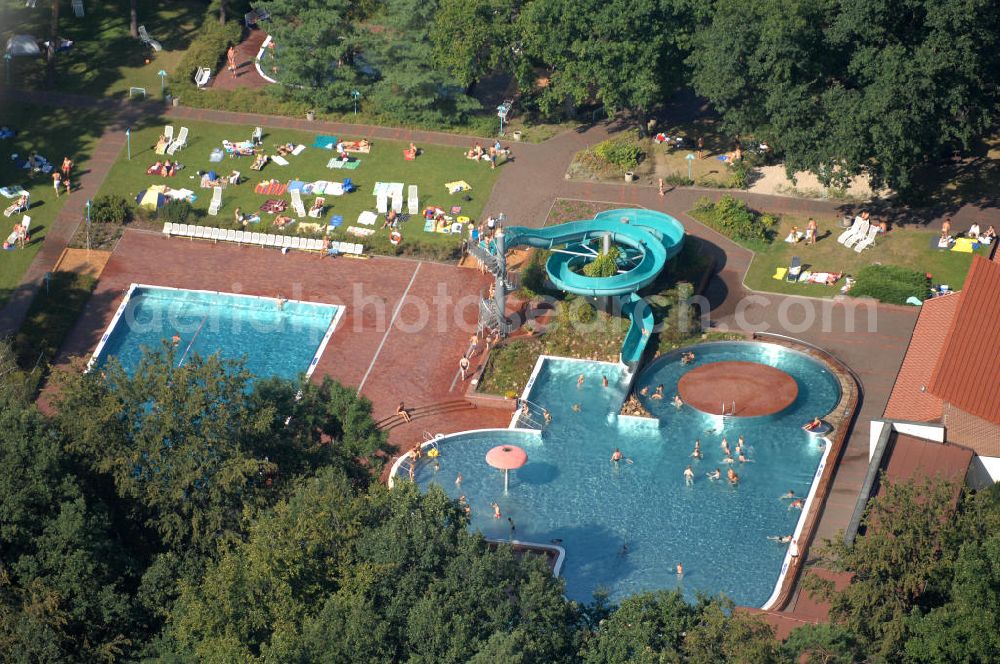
pixel 732 411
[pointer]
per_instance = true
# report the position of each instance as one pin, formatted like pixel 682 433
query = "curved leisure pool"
pixel 625 526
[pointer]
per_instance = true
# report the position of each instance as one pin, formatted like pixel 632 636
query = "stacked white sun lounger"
pixel 859 230
pixel 196 232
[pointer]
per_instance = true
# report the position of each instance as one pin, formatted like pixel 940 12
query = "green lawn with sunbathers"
pixel 53 133
pixel 907 247
pixel 310 171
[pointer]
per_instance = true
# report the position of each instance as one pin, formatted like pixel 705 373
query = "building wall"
pixel 983 471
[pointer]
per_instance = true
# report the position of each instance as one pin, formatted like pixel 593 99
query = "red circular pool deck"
pixel 755 389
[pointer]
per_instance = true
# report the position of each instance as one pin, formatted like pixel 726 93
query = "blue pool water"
pixel 570 491
pixel 273 341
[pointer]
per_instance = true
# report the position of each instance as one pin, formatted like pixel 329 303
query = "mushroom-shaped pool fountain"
pixel 506 458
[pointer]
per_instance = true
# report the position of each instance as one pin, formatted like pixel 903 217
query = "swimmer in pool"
pixel 697 450
pixel 604 381
pixel 733 478
pixel 688 475
pixel 658 393
pixel 780 539
pixel 176 339
pixel 788 496
pixel 579 382
pixel 576 408
pixel 728 459
pixel 680 569
pixel 496 510
pixel 815 424
pixel 617 455
pixel 458 480
pixel 796 504
pixel 644 391
pixel 547 416
pixel 678 402
pixel 714 475
pixel 741 458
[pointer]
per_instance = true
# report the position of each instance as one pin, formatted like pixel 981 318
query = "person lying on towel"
pixel 259 161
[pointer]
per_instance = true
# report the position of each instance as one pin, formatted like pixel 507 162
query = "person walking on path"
pixel 463 366
pixel 67 166
pixel 231 60
pixel 56 182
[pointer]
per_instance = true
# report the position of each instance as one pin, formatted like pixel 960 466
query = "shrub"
pixel 111 209
pixel 622 151
pixel 737 220
pixel 740 174
pixel 605 265
pixel 889 283
pixel 175 211
pixel 676 179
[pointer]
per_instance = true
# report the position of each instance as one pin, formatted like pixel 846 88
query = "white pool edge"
pixel 338 314
pixel 793 550
pixel 538 367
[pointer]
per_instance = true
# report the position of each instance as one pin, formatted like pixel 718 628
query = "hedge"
pixel 206 50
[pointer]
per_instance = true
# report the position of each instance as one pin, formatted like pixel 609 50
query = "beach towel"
pixel 457 186
pixel 333 189
pixel 336 220
pixel 298 150
pixel 273 206
pixel 14 191
pixel 279 160
pixel 216 155
pixel 271 188
pixel 779 273
pixel 964 245
pixel 367 218
pixel 356 146
pixel 336 162
pixel 352 164
pixel 151 198
pixel 826 278
pixel 325 142
pixel 296 185
pixel 360 232
pixel 180 194
pixel 443 226
pixel 455 209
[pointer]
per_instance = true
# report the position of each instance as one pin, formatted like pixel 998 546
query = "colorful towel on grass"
pixel 456 209
pixel 349 163
pixel 457 187
pixel 444 226
pixel 325 142
pixel 360 232
pixel 271 188
pixel 965 245
pixel 357 146
pixel 336 220
pixel 273 206
pixel 296 185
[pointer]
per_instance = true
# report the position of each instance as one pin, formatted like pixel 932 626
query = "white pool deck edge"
pixel 337 315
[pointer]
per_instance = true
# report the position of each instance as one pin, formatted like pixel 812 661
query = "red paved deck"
pixel 406 325
pixel 745 389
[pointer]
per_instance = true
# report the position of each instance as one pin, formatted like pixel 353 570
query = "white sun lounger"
pixel 279 160
pixel 168 228
pixel 230 235
pixel 859 236
pixel 179 142
pixel 213 208
pixel 300 209
pixel 868 241
pixel 397 202
pixel 850 232
pixel 149 41
pixel 412 201
pixel 382 203
pixel 168 133
pixel 199 232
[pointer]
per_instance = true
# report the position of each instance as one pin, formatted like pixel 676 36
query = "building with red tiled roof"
pixel 950 376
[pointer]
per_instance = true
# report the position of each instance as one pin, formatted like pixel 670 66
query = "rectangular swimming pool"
pixel 274 338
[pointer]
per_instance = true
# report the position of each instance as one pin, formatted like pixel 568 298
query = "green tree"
pixel 625 53
pixel 65 575
pixel 842 87
pixel 472 38
pixel 407 87
pixel 382 576
pixel 898 565
pixel 315 48
pixel 967 628
pixel 647 628
pixel 722 635
pixel 823 644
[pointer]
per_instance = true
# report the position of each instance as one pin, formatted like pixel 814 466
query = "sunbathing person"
pixel 815 424
pixel 155 169
pixel 282 220
pixel 20 205
pixel 391 219
pixel 316 210
pixel 162 143
pixel 286 149
pixel 259 161
pixel 210 179
pixel 168 169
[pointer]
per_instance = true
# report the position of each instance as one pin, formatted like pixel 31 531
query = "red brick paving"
pixel 246 72
pixel 745 389
pixel 418 361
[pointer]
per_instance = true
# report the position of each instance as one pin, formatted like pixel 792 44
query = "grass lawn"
pixel 54 134
pixel 105 60
pixel 435 166
pixel 903 247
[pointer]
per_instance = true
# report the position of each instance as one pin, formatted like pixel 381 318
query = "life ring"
pixel 395 237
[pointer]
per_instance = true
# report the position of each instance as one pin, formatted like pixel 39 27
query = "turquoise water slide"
pixel 648 240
